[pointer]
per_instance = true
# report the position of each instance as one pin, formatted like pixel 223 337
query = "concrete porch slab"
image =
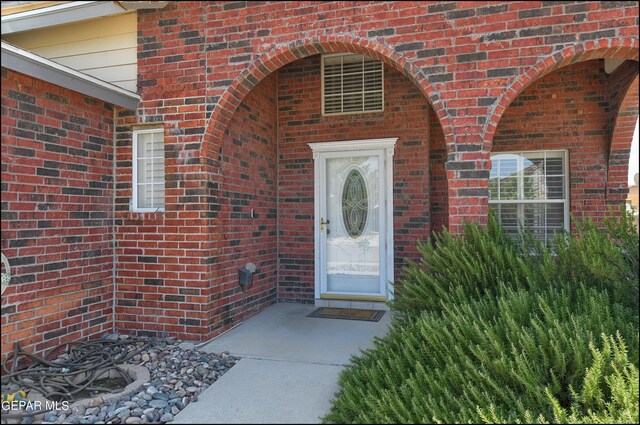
pixel 283 332
pixel 289 367
pixel 266 391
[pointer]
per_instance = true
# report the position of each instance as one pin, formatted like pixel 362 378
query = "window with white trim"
pixel 529 191
pixel 351 84
pixel 148 170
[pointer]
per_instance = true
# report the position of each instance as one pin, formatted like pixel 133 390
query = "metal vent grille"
pixel 351 84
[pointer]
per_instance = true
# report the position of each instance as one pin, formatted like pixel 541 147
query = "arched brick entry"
pixel 216 150
pixel 615 48
pixel 284 55
pixel 468 197
pixel 623 98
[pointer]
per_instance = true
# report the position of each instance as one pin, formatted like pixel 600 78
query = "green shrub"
pixel 501 352
pixel 501 331
pixel 453 268
pixel 609 392
pixel 604 257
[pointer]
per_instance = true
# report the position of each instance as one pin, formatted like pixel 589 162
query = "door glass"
pixel 355 204
pixel 353 232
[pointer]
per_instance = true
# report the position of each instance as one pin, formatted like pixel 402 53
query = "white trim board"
pixel 134 170
pixel 353 145
pixel 19 60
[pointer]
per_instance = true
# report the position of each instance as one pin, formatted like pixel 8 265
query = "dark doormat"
pixel 347 313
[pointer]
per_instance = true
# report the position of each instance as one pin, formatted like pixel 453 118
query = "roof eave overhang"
pixel 20 60
pixel 58 15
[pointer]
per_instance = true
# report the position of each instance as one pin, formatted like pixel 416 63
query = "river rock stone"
pixel 178 376
pixel 160 396
pixel 152 416
pixel 158 404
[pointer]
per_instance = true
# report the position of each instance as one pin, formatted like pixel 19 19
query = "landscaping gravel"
pixel 178 376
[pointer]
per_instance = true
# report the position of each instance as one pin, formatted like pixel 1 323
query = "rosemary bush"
pixel 495 330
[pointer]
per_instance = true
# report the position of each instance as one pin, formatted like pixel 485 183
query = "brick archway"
pixel 215 149
pixel 624 100
pixel 623 123
pixel 277 58
pixel 475 198
pixel 612 48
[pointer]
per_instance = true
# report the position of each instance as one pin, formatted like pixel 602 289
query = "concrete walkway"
pixel 289 367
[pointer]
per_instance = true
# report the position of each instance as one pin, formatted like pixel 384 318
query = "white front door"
pixel 353 220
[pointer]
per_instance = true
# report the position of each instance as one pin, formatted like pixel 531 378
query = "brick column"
pixel 468 177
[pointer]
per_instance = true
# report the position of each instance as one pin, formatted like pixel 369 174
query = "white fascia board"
pixel 58 15
pixel 20 60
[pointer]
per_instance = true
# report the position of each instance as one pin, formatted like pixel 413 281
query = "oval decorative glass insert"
pixel 355 204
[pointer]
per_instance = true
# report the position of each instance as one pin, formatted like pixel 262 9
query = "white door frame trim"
pixel 319 153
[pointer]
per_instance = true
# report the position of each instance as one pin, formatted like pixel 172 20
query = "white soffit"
pixel 20 60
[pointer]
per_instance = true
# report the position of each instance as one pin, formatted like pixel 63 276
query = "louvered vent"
pixel 351 84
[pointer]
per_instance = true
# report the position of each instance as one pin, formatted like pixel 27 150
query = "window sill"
pixel 148 210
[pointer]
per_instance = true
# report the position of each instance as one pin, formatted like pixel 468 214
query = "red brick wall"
pixel 161 277
pixel 470 58
pixel 161 280
pixel 567 109
pixel 164 260
pixel 57 229
pixel 198 60
pixel 438 177
pixel 406 116
pixel 163 284
pixel 249 181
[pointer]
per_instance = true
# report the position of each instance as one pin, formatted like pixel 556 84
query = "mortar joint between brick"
pixel 113 222
pixel 277 185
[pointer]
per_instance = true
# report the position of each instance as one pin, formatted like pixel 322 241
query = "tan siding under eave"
pixel 105 48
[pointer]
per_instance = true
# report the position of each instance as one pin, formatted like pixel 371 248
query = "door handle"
pixel 322 223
